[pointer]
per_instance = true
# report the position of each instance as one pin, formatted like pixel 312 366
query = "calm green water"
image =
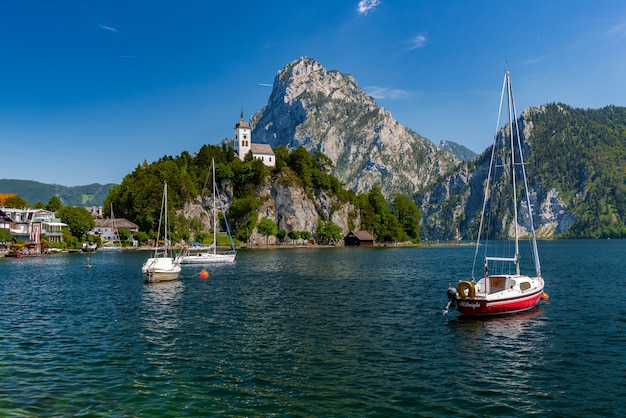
pixel 309 332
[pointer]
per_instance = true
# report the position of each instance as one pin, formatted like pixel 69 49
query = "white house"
pixel 32 224
pixel 244 144
pixel 108 228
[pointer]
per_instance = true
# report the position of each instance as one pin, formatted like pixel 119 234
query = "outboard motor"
pixel 452 296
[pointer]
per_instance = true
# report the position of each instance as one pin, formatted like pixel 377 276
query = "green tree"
pixel 294 235
pixel 78 220
pixel 141 236
pixel 306 235
pixel 281 234
pixel 54 204
pixel 328 232
pixel 266 228
pixel 281 155
pixel 408 215
pixel 15 202
pixel 5 236
pixel 124 234
pixel 301 161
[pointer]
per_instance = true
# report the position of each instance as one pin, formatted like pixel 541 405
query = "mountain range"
pixel 576 158
pixel 34 192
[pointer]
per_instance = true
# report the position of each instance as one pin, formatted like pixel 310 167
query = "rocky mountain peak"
pixel 327 111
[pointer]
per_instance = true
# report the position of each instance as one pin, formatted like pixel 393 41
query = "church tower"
pixel 242 138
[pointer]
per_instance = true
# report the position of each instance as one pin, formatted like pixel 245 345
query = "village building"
pixel 95 211
pixel 107 229
pixel 32 225
pixel 244 145
pixel 359 239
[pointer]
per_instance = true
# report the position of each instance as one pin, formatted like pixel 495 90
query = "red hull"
pixel 479 306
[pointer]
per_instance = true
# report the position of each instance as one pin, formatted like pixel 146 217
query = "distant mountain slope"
pixel 327 111
pixel 459 151
pixel 576 162
pixel 34 191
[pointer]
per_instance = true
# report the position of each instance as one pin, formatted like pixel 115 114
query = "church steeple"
pixel 242 137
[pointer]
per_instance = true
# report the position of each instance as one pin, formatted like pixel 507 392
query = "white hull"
pixel 109 249
pixel 206 258
pixel 160 269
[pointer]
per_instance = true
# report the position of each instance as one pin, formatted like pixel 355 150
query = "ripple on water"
pixel 307 332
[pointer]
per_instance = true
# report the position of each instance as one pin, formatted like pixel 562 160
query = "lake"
pixel 309 332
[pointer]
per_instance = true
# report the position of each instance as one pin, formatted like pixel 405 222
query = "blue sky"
pixel 91 88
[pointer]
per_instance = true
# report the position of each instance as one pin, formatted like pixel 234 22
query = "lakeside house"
pixel 32 224
pixel 107 229
pixel 359 239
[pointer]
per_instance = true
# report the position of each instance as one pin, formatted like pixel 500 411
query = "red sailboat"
pixel 506 291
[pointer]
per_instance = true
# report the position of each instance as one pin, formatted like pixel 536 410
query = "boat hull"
pixel 514 294
pixel 481 306
pixel 109 249
pixel 160 269
pixel 204 258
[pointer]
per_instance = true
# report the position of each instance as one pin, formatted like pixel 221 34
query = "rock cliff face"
pixel 327 111
pixel 456 201
pixel 287 204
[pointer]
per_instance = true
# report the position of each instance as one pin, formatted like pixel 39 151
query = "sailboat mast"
pixel 513 175
pixel 165 244
pixel 214 209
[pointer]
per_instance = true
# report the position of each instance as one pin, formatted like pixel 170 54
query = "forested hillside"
pixel 34 192
pixel 138 197
pixel 576 163
pixel 583 154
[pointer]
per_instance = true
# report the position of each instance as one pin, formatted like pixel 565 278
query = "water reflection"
pixel 160 311
pixel 501 358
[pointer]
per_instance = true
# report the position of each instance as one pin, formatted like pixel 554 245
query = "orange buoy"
pixel 204 274
pixel 544 296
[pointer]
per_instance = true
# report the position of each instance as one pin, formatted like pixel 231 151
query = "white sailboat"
pixel 210 255
pixel 161 266
pixel 503 289
pixel 114 246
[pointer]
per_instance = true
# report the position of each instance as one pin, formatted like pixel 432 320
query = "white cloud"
pixel 388 93
pixel 418 42
pixel 366 6
pixel 110 29
pixel 266 85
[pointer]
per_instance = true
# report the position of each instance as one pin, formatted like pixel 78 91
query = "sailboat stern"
pixel 160 269
pixel 496 295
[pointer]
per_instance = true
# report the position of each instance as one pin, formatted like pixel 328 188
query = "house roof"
pixel 363 235
pixel 120 223
pixel 4 217
pixel 261 149
pixel 242 124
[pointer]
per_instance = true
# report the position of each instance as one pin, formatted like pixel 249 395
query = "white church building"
pixel 244 144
